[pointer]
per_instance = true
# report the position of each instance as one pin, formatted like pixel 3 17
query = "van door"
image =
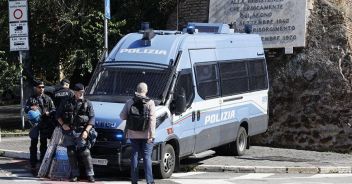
pixel 234 82
pixel 183 123
pixel 206 109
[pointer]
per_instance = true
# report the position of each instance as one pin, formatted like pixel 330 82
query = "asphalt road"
pixel 16 171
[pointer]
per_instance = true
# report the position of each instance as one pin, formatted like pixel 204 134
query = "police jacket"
pixel 61 95
pixel 76 113
pixel 44 103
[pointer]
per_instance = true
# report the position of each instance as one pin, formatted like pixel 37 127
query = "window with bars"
pixel 258 77
pixel 207 80
pixel 227 78
pixel 234 77
pixel 113 81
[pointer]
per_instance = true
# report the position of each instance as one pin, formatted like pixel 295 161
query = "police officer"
pixel 44 104
pixel 76 116
pixel 63 92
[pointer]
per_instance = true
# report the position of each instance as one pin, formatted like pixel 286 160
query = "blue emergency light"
pixel 144 26
pixel 119 136
pixel 191 28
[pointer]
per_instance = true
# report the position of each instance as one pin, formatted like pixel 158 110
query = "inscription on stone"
pixel 280 23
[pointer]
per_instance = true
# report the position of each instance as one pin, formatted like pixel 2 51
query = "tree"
pixel 9 74
pixel 68 36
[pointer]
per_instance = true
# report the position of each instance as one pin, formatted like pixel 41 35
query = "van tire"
pixel 241 142
pixel 167 164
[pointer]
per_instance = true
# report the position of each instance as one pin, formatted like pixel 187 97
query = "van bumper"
pixel 117 154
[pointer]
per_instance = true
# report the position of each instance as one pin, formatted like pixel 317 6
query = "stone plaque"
pixel 280 23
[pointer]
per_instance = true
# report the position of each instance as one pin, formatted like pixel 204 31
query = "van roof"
pixel 165 45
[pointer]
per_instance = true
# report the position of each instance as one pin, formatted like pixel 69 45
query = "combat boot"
pixel 91 179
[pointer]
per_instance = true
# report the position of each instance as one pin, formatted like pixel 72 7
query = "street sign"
pixel 107 9
pixel 18 29
pixel 18 11
pixel 19 43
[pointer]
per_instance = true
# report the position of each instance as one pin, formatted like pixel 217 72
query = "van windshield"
pixel 114 84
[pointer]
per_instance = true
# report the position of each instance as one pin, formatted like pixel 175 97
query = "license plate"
pixel 97 161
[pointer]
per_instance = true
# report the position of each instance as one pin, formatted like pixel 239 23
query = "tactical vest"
pixel 76 115
pixel 44 105
pixel 138 115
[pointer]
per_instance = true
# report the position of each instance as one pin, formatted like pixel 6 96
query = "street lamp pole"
pixel 21 82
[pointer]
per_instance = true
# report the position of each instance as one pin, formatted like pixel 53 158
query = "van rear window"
pixel 225 78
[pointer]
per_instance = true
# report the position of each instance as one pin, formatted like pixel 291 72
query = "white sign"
pixel 19 43
pixel 280 23
pixel 18 29
pixel 18 11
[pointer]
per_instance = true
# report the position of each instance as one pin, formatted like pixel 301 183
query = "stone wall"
pixel 310 91
pixel 348 19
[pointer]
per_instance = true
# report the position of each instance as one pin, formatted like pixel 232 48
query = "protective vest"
pixel 44 102
pixel 76 113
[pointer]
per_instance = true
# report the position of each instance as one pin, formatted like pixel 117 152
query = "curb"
pixel 269 169
pixel 14 154
pixel 228 168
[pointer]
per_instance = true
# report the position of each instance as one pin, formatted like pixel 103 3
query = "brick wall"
pixel 189 11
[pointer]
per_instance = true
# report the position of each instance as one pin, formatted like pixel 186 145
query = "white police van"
pixel 210 86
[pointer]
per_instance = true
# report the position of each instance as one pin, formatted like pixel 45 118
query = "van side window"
pixel 258 78
pixel 185 85
pixel 234 77
pixel 207 80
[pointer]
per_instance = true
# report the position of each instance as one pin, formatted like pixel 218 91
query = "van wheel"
pixel 241 142
pixel 167 165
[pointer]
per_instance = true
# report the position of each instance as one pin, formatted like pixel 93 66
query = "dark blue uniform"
pixel 61 95
pixel 45 127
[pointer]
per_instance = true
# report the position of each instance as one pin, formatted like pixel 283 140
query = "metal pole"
pixel 21 79
pixel 106 35
pixel 177 15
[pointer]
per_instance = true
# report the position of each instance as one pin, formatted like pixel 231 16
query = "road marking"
pixel 18 170
pixel 19 175
pixel 330 175
pixel 20 179
pixel 179 175
pixel 252 176
pixel 200 181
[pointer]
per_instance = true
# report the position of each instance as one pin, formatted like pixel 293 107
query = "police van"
pixel 210 86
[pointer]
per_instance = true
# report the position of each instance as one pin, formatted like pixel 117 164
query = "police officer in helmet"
pixel 76 116
pixel 43 125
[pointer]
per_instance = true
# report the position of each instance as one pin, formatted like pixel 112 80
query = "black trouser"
pixel 33 149
pixel 82 154
pixel 77 150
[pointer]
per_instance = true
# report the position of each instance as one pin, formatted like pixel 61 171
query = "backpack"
pixel 138 116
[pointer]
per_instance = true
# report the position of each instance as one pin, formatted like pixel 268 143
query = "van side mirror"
pixel 180 103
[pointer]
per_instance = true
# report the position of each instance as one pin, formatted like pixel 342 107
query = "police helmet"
pixel 34 116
